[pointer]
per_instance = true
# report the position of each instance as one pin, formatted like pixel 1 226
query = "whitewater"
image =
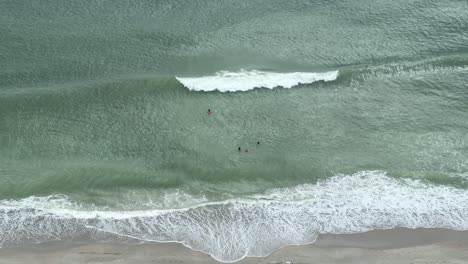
pixel 254 225
pixel 243 80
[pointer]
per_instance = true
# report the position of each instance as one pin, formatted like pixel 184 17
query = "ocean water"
pixel 360 108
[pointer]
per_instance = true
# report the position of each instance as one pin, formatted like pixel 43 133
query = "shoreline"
pixel 383 246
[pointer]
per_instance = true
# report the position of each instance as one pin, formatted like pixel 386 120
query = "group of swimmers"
pixel 246 150
pixel 240 149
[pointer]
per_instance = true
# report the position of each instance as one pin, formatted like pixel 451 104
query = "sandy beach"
pixel 389 246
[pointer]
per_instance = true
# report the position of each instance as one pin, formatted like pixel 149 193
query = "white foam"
pixel 243 80
pixel 251 226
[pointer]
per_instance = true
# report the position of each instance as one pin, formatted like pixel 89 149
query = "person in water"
pixel 258 142
pixel 209 112
pixel 239 149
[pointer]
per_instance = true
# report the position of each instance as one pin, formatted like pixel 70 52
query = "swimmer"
pixel 240 149
pixel 209 112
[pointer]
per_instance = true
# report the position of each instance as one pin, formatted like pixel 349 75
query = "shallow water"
pixel 360 108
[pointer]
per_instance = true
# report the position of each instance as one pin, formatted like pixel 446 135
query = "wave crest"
pixel 225 81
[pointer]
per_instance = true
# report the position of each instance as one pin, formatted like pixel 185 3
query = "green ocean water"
pixel 91 108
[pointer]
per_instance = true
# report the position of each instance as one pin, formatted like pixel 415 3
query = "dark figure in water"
pixel 209 112
pixel 258 142
pixel 239 149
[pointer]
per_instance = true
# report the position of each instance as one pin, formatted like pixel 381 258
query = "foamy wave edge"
pixel 225 81
pixel 250 226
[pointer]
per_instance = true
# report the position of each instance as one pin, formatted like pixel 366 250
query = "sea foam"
pixel 225 81
pixel 254 225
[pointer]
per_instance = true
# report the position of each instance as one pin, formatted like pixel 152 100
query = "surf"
pixel 243 80
pixel 251 225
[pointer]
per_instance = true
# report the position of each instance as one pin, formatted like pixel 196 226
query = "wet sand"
pixel 389 246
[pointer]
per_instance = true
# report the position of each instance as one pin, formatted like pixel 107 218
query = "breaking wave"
pixel 253 225
pixel 243 80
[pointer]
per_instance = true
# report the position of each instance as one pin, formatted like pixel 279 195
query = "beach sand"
pixel 388 246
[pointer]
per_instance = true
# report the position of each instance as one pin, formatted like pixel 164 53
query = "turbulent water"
pixel 360 108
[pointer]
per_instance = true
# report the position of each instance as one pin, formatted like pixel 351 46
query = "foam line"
pixel 248 226
pixel 243 80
